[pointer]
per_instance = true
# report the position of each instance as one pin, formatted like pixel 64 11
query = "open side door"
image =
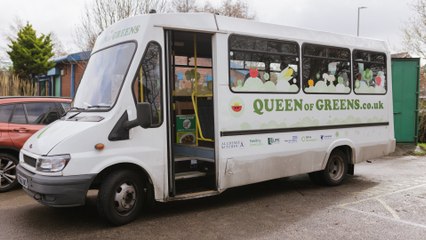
pixel 192 165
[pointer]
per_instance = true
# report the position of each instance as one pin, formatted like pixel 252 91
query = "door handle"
pixel 20 130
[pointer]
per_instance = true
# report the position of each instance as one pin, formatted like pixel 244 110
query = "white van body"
pixel 255 136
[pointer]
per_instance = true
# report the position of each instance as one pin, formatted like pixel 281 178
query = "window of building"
pixel 369 72
pixel 326 69
pixel 147 86
pixel 263 65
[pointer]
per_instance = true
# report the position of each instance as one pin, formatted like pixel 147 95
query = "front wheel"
pixel 8 178
pixel 335 170
pixel 121 197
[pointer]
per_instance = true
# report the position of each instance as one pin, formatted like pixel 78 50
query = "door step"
pixel 188 175
pixel 194 195
pixel 196 151
pixel 190 158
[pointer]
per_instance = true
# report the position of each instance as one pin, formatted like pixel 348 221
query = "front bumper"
pixel 55 191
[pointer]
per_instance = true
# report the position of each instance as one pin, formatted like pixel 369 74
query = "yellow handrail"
pixel 199 133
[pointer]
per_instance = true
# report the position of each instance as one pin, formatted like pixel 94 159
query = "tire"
pixel 335 171
pixel 121 196
pixel 315 177
pixel 8 179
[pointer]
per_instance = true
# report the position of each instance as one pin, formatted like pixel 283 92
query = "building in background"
pixel 64 78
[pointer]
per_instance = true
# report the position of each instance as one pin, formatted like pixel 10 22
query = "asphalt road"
pixel 386 199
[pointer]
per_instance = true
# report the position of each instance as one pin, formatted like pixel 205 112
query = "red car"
pixel 20 117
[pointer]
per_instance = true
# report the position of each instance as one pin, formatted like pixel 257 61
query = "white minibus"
pixel 183 106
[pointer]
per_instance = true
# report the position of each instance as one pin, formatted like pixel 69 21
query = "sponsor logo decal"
pixel 293 139
pixel 326 137
pixel 232 145
pixel 255 142
pixel 273 141
pixel 308 139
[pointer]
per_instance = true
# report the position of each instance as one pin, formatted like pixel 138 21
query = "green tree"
pixel 30 55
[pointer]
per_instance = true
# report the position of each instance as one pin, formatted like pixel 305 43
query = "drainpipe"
pixel 72 80
pixel 51 86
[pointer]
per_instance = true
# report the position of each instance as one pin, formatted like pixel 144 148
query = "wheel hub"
pixel 7 173
pixel 336 168
pixel 125 198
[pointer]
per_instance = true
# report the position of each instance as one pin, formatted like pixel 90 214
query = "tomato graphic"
pixel 253 72
pixel 378 80
pixel 236 107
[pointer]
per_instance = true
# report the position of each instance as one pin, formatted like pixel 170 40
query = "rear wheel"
pixel 335 170
pixel 8 178
pixel 121 197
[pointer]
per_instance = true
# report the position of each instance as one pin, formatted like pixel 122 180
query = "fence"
pixel 12 85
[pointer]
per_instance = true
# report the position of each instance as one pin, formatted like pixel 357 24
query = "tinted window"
pixel 5 111
pixel 103 77
pixel 19 115
pixel 42 113
pixel 326 69
pixel 369 72
pixel 147 87
pixel 263 65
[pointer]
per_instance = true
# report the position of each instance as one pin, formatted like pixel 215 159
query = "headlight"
pixel 52 163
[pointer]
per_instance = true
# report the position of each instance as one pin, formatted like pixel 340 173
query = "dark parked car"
pixel 20 117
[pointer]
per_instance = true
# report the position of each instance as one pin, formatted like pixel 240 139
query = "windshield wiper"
pixel 73 108
pixel 77 108
pixel 98 106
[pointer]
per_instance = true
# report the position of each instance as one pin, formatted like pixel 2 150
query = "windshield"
pixel 103 77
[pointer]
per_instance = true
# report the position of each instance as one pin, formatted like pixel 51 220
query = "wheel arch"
pixel 126 166
pixel 348 148
pixel 11 151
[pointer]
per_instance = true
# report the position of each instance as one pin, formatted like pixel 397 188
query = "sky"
pixel 382 19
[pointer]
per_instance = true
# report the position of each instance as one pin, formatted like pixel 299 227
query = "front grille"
pixel 30 161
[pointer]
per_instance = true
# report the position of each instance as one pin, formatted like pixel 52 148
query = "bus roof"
pixel 207 22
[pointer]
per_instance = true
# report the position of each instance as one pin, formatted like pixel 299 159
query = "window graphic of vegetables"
pixel 378 80
pixel 253 72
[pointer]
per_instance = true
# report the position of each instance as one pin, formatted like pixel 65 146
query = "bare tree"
pixel 238 9
pixel 231 8
pixel 185 5
pixel 415 33
pixel 58 47
pixel 102 13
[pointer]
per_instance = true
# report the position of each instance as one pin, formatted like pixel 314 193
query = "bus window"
pixel 326 69
pixel 369 72
pixel 147 85
pixel 263 65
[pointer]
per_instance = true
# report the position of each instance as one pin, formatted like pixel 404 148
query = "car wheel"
pixel 8 178
pixel 121 196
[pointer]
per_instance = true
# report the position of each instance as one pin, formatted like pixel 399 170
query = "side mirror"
pixel 144 116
